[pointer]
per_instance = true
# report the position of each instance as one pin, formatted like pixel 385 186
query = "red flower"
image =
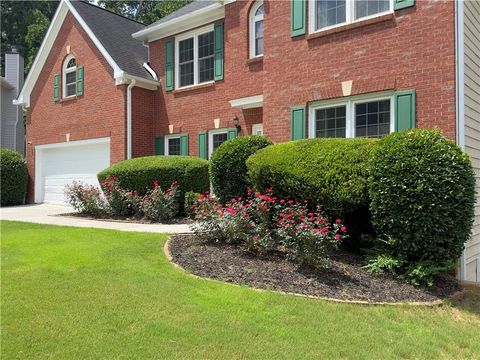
pixel 338 221
pixel 231 210
pixel 343 229
pixel 155 184
pixel 324 230
pixel 310 214
pixel 282 201
pixel 337 236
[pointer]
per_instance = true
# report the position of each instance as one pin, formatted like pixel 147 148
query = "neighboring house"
pixel 12 128
pixel 285 69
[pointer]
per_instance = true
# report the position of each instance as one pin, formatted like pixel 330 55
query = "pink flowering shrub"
pixel 86 199
pixel 266 224
pixel 121 202
pixel 159 205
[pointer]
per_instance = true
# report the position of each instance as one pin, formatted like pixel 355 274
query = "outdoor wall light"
pixel 236 122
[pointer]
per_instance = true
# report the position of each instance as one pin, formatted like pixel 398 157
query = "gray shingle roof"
pixel 115 34
pixel 193 6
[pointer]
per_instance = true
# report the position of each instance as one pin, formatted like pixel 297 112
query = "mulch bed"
pixel 180 220
pixel 346 279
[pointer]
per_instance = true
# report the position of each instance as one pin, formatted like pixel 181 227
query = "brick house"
pixel 104 88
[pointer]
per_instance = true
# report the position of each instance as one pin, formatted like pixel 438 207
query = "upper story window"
pixel 330 13
pixel 69 76
pixel 195 60
pixel 256 29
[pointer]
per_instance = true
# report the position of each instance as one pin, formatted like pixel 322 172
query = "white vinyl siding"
pixel 472 126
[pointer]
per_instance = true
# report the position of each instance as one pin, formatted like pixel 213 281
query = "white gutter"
pixel 150 71
pixel 460 96
pixel 129 118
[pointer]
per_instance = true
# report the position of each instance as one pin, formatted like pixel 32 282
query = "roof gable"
pixel 125 57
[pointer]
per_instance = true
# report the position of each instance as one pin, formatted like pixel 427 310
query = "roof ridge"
pixel 109 11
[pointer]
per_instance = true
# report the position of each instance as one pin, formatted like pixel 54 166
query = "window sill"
pixel 350 26
pixel 69 98
pixel 255 60
pixel 194 87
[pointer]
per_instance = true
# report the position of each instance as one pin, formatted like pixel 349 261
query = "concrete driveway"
pixel 58 215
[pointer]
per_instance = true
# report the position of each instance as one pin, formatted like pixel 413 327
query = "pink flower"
pixel 324 230
pixel 310 214
pixel 338 221
pixel 282 201
pixel 290 202
pixel 337 236
pixel 230 210
pixel 343 229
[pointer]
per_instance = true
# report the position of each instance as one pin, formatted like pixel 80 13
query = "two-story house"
pixel 104 88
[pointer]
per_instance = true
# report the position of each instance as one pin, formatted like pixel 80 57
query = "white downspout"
pixel 129 118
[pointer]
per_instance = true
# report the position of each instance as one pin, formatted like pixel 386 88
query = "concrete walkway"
pixel 50 214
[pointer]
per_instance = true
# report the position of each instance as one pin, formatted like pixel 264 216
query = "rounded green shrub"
pixel 422 194
pixel 326 172
pixel 228 171
pixel 191 173
pixel 14 177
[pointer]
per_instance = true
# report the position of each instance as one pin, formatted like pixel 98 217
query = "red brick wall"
pixel 412 50
pixel 194 110
pixel 143 107
pixel 100 112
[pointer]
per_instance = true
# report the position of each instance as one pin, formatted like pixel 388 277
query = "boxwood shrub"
pixel 14 177
pixel 328 172
pixel 422 194
pixel 191 173
pixel 228 171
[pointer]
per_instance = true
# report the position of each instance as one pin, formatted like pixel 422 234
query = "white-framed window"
pixel 327 14
pixel 358 116
pixel 194 60
pixel 215 139
pixel 173 145
pixel 256 29
pixel 69 76
pixel 257 129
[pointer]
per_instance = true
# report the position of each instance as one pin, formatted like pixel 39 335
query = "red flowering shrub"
pixel 121 202
pixel 266 224
pixel 86 199
pixel 160 205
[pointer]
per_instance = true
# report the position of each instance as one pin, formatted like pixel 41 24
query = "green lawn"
pixel 71 293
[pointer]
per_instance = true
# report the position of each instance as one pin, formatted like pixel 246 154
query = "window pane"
pixel 329 13
pixel 185 50
pixel 71 63
pixel 206 68
pixel 259 10
pixel 71 77
pixel 205 45
pixel 71 89
pixel 186 74
pixel 174 146
pixel 219 139
pixel 372 119
pixel 365 8
pixel 330 122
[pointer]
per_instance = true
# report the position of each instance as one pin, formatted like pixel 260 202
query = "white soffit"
pixel 247 102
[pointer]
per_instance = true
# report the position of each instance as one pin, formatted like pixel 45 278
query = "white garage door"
pixel 67 162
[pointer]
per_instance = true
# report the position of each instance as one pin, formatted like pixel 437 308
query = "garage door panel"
pixel 64 165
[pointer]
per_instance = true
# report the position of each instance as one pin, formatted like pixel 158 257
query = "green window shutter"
pixel 218 46
pixel 56 88
pixel 202 145
pixel 402 4
pixel 160 145
pixel 232 133
pixel 184 144
pixel 297 118
pixel 298 17
pixel 169 65
pixel 80 81
pixel 404 110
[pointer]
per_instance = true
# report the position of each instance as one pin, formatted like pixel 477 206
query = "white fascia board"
pixel 125 78
pixel 93 141
pixel 41 57
pixel 247 102
pixel 183 23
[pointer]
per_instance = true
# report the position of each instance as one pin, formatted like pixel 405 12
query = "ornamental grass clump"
pixel 266 224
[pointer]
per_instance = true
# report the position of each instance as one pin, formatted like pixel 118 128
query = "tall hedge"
pixel 191 173
pixel 228 170
pixel 14 177
pixel 422 190
pixel 328 172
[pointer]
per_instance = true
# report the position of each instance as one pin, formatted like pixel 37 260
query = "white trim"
pixel 192 34
pixel 210 138
pixel 249 102
pixel 167 138
pixel 129 118
pixel 460 100
pixel 147 67
pixel 252 19
pixel 257 128
pixel 65 71
pixel 39 160
pixel 349 16
pixel 349 104
pixel 186 22
pixel 125 79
